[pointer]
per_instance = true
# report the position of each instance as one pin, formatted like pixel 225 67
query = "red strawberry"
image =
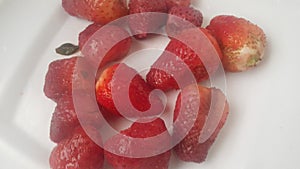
pixel 171 67
pixel 100 11
pixel 172 3
pixel 107 44
pixel 61 74
pixel 140 23
pixel 242 42
pixel 64 120
pixel 201 130
pixel 182 17
pixel 78 152
pixel 127 146
pixel 65 117
pixel 138 92
pixel 87 33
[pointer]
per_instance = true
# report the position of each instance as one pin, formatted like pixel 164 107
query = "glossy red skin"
pixel 232 33
pixel 140 130
pixel 188 16
pixel 140 25
pixel 60 74
pixel 172 3
pixel 103 90
pixel 108 44
pixel 139 90
pixel 102 11
pixel 190 149
pixel 77 152
pixel 165 81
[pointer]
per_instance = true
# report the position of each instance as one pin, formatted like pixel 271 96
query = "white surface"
pixel 262 131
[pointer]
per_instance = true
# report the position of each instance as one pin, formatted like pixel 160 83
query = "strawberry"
pixel 138 92
pixel 64 120
pixel 87 33
pixel 66 75
pixel 78 152
pixel 200 120
pixel 141 24
pixel 171 70
pixel 65 117
pixel 172 3
pixel 99 11
pixel 242 42
pixel 182 17
pixel 119 148
pixel 107 44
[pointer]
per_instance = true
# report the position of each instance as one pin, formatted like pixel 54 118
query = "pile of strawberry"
pixel 234 43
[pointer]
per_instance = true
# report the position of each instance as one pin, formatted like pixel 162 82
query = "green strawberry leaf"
pixel 67 49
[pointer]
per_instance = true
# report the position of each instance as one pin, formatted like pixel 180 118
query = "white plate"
pixel 263 127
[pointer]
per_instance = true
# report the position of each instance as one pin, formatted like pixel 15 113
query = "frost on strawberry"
pixel 64 120
pixel 66 116
pixel 123 151
pixel 172 3
pixel 209 109
pixel 99 11
pixel 66 75
pixel 182 17
pixel 141 22
pixel 242 42
pixel 78 151
pixel 87 33
pixel 190 57
pixel 103 44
